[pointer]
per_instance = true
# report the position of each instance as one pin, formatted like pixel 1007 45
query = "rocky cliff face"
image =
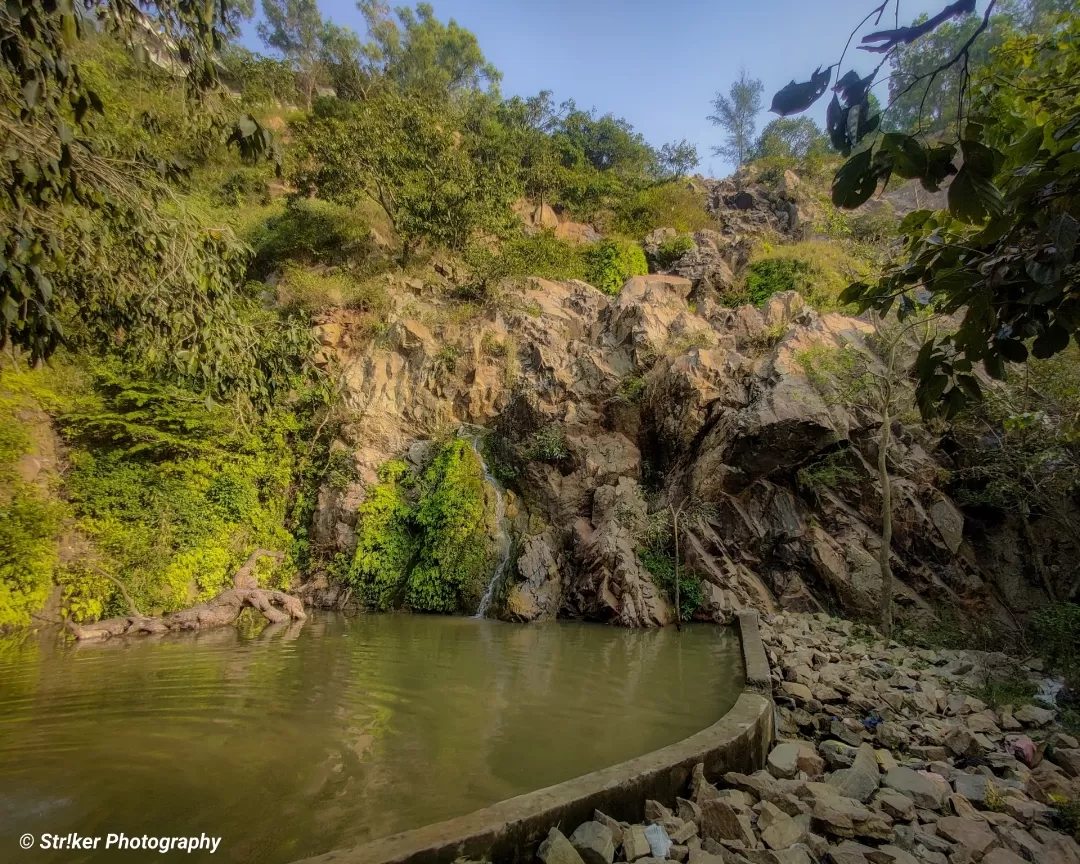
pixel 600 404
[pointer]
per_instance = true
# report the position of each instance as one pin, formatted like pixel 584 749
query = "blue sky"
pixel 657 63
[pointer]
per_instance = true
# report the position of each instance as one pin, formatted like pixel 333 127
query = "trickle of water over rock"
pixel 502 532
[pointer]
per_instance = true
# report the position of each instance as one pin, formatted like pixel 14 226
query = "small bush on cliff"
pixel 542 255
pixel 1057 633
pixel 818 270
pixel 610 264
pixel 773 275
pixel 311 231
pixel 547 445
pixel 677 205
pixel 832 472
pixel 661 566
pixel 313 292
pixel 672 250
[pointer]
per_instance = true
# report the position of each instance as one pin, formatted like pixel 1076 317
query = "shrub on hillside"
pixel 674 205
pixel 773 275
pixel 311 232
pixel 315 291
pixel 542 255
pixel 818 270
pixel 1057 631
pixel 672 250
pixel 609 264
pixel 244 185
pixel 874 225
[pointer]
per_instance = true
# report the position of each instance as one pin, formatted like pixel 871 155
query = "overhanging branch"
pixel 961 54
pixel 886 40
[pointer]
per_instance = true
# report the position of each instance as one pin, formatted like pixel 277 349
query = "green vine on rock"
pixel 422 539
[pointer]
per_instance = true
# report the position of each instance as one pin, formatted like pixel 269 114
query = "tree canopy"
pixel 797 139
pixel 1000 260
pixel 935 106
pixel 418 52
pixel 736 113
pixel 92 230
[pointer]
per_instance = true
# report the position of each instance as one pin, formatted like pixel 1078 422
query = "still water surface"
pixel 291 742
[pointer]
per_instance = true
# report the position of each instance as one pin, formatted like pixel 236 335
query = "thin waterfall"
pixel 503 533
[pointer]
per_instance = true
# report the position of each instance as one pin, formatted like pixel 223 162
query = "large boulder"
pixel 539 593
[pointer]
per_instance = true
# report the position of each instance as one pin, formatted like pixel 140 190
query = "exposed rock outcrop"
pixel 658 391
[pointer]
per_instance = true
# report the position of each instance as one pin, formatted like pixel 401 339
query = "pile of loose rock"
pixel 885 757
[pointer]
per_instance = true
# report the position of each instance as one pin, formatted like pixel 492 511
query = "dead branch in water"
pixel 276 607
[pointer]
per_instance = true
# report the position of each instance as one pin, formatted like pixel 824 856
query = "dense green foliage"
pixel 164 494
pixel 402 152
pixel 96 247
pixel 666 205
pixel 765 278
pixel 311 231
pixel 1010 232
pixel 610 263
pixel 421 540
pixel 820 270
pixel 451 517
pixel 28 527
pixel 661 566
pixel 1002 253
pixel 172 494
pixel 385 544
pixel 1057 629
pixel 672 250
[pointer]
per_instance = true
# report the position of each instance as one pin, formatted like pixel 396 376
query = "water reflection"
pixel 289 741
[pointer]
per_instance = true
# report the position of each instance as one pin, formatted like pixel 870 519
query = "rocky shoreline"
pixel 884 756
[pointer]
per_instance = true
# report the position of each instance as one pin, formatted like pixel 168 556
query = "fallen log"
pixel 276 607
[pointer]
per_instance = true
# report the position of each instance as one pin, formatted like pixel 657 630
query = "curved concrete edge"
pixel 511 830
pixel 758 677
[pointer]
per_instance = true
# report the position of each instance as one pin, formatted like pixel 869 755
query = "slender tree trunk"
pixel 678 608
pixel 886 526
pixel 1036 557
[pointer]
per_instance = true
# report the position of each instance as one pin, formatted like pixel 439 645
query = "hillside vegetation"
pixel 185 243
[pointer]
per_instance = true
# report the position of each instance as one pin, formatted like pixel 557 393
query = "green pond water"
pixel 291 742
